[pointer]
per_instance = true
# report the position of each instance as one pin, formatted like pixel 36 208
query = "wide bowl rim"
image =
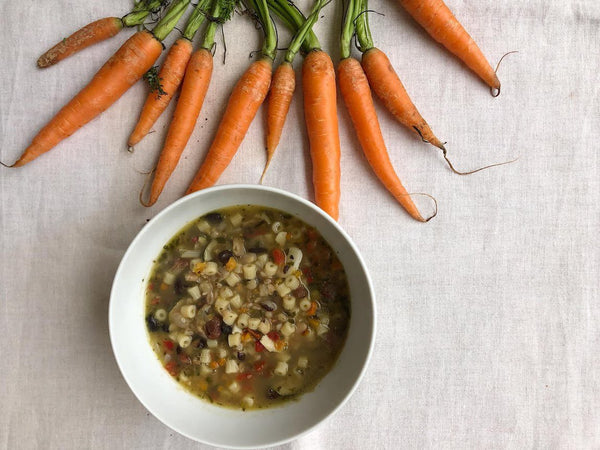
pixel 211 191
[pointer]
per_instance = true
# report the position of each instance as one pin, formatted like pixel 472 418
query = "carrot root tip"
pixel 130 148
pixel 144 188
pixel 495 90
pixel 8 165
pixel 458 172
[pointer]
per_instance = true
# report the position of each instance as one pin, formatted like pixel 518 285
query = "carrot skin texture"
pixel 356 93
pixel 90 34
pixel 280 98
pixel 170 74
pixel 193 91
pixel 387 86
pixel 437 19
pixel 114 78
pixel 320 115
pixel 247 96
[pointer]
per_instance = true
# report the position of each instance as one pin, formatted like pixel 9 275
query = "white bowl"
pixel 192 416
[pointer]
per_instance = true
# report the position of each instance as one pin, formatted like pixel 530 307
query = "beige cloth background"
pixel 488 315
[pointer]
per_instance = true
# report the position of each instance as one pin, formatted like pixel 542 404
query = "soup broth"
pixel 247 307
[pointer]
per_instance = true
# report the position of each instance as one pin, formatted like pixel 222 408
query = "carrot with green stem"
pixel 437 19
pixel 194 88
pixel 114 78
pixel 386 84
pixel 170 76
pixel 283 86
pixel 98 31
pixel 245 100
pixel 320 116
pixel 356 93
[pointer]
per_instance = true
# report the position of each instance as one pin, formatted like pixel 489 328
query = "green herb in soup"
pixel 248 307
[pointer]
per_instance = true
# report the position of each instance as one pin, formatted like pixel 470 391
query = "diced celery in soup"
pixel 247 307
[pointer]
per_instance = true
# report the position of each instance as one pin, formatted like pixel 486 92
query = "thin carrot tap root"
pixel 90 34
pixel 470 172
pixel 247 96
pixel 496 92
pixel 320 113
pixel 387 86
pixel 437 19
pixel 280 98
pixel 356 93
pixel 170 77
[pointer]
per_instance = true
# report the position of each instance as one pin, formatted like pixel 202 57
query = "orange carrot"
pixel 284 84
pixel 320 114
pixel 388 87
pixel 92 33
pixel 280 98
pixel 119 73
pixel 170 76
pixel 440 23
pixel 194 88
pixel 98 31
pixel 356 93
pixel 246 97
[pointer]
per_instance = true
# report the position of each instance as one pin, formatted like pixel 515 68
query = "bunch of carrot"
pixel 190 71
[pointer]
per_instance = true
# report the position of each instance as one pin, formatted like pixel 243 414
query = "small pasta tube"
pixel 249 271
pixel 188 311
pixel 184 340
pixel 243 320
pixel 281 368
pixel 270 269
pixel 288 329
pixel 211 268
pixel 160 315
pixel 231 366
pixel 194 292
pixel 234 339
pixel 229 317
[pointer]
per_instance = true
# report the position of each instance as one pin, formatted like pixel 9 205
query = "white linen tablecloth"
pixel 488 333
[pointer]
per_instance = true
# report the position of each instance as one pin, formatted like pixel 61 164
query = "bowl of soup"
pixel 242 316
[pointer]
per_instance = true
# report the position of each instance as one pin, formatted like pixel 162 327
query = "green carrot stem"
pixel 141 10
pixel 269 47
pixel 221 13
pixel 196 19
pixel 304 30
pixel 348 28
pixel 294 20
pixel 170 19
pixel 363 31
